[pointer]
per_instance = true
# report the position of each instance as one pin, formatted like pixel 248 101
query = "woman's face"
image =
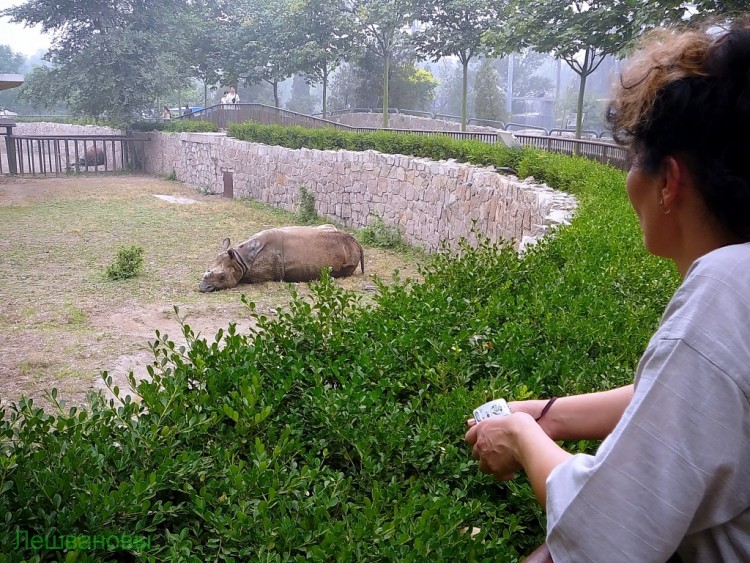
pixel 644 193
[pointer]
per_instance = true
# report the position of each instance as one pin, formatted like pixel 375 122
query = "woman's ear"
pixel 676 178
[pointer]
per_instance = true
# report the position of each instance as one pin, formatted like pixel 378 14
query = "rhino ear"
pixel 225 244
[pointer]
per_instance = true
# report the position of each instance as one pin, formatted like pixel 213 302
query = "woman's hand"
pixel 505 444
pixel 495 443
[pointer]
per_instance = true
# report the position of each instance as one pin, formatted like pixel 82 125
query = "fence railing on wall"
pixel 606 153
pixel 601 151
pixel 223 114
pixel 63 154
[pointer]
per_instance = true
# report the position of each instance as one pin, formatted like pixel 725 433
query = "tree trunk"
pixel 386 70
pixel 585 69
pixel 276 93
pixel 464 93
pixel 509 93
pixel 325 91
pixel 205 94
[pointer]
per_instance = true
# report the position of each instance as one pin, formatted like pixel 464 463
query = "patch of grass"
pixel 127 264
pixel 381 235
pixel 33 367
pixel 50 273
pixel 74 315
pixel 172 176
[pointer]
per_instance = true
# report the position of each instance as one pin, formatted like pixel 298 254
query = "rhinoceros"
pixel 292 254
pixel 93 156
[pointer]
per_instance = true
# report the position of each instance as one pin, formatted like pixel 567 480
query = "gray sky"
pixel 24 40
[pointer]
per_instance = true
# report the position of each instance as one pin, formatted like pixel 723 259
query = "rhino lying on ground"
pixel 92 157
pixel 292 254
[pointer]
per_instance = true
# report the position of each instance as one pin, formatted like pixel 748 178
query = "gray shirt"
pixel 674 475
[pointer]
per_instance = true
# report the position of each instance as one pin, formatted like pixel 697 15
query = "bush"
pixel 435 147
pixel 127 264
pixel 176 126
pixel 334 431
pixel 381 235
pixel 306 213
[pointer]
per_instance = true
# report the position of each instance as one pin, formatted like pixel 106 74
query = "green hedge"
pixel 436 147
pixel 336 432
pixel 176 126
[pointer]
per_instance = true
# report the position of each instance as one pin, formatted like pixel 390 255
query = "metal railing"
pixel 485 137
pixel 63 154
pixel 600 151
pixel 222 115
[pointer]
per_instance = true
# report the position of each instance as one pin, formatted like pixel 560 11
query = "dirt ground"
pixel 62 323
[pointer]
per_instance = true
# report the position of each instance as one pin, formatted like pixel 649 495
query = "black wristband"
pixel 546 408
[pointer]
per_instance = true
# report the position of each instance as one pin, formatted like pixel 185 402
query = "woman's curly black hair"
pixel 688 94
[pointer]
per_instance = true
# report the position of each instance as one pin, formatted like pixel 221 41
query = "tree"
pixel 326 32
pixel 720 8
pixel 110 59
pixel 357 84
pixel 489 101
pixel 262 43
pixel 526 81
pixel 584 32
pixel 412 87
pixel 448 99
pixel 382 23
pixel 10 63
pixel 205 24
pixel 456 28
pixel 301 100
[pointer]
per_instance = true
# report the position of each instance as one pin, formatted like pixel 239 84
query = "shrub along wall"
pixel 428 201
pixel 336 432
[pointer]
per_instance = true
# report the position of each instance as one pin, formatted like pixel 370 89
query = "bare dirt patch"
pixel 62 323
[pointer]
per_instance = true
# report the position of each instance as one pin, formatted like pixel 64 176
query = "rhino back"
pixel 306 254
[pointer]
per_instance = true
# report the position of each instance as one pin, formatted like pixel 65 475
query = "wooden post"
pixel 228 184
pixel 10 145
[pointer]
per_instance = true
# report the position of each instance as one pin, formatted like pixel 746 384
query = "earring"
pixel 661 204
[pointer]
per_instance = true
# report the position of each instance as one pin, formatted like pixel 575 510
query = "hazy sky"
pixel 24 40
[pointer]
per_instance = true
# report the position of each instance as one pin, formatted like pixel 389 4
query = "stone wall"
pixel 429 201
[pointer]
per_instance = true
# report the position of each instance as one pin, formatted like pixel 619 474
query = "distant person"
pixel 224 98
pixel 186 111
pixel 165 113
pixel 232 97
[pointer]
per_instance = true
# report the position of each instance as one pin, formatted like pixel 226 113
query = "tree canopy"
pixel 382 24
pixel 326 39
pixel 110 58
pixel 456 28
pixel 113 59
pixel 583 32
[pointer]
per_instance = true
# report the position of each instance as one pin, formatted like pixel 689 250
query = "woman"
pixel 232 97
pixel 673 474
pixel 165 113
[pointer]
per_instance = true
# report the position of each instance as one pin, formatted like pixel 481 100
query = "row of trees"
pixel 113 58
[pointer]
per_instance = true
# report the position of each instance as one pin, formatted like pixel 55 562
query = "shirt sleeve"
pixel 672 457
